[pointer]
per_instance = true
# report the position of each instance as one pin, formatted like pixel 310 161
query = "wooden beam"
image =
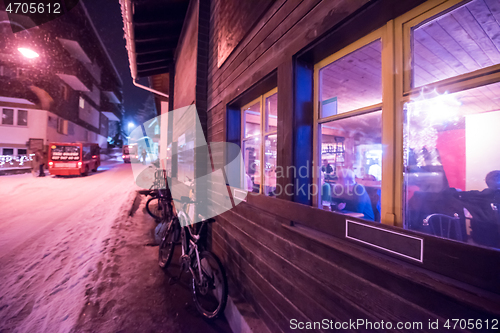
pixel 285 124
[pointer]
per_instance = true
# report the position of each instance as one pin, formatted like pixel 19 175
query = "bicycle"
pixel 159 205
pixel 209 281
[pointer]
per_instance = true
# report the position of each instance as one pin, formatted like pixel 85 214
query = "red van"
pixel 79 158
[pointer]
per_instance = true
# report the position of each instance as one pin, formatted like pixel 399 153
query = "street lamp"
pixel 28 53
pixel 131 124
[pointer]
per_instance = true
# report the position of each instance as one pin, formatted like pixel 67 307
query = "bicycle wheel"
pixel 210 292
pixel 156 209
pixel 167 245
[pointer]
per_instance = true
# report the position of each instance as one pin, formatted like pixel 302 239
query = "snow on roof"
pixel 15 100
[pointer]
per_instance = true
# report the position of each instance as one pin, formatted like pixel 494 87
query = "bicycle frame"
pixel 193 245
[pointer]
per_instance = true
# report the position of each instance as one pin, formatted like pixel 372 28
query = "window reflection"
pixel 352 82
pixel 251 157
pixel 459 42
pixel 8 117
pixel 252 119
pixel 272 113
pixel 270 153
pixel 260 175
pixel 351 165
pixel 452 177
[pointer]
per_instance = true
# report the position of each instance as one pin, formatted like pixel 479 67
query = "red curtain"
pixel 451 147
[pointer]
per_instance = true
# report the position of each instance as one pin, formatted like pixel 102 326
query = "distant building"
pixel 70 92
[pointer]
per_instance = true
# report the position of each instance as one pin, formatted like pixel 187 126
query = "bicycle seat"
pixel 184 200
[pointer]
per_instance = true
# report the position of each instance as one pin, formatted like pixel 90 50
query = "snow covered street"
pixel 52 233
pixel 78 255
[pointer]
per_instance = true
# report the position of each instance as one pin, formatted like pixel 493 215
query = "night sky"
pixel 107 18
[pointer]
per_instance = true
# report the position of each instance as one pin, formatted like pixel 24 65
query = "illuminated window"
pixel 259 143
pixel 451 165
pixel 82 103
pixel 350 132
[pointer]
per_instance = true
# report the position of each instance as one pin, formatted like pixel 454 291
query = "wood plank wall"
pixel 292 272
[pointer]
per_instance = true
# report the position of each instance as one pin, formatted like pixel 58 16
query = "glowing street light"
pixel 30 54
pixel 131 124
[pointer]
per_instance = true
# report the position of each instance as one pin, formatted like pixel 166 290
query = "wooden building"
pixel 394 101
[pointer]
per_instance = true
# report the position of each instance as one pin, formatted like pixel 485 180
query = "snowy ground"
pixel 73 260
pixel 130 293
pixel 52 233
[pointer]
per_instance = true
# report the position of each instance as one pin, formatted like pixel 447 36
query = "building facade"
pixel 365 129
pixel 66 90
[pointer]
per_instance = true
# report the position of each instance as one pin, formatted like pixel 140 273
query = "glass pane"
pixel 252 120
pixel 8 151
pixel 22 118
pixel 8 117
pixel 351 172
pixel 352 82
pixel 452 165
pixel 270 153
pixel 22 151
pixel 251 157
pixel 271 113
pixel 461 41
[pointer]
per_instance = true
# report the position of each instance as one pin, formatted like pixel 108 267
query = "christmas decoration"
pixel 20 160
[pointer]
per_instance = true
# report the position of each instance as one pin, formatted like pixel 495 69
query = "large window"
pixel 259 136
pixel 452 116
pixel 349 131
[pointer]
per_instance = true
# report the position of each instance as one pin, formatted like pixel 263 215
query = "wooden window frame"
pixel 385 35
pixel 403 75
pixel 263 134
pixel 395 36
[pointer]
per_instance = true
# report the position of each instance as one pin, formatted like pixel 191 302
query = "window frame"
pixel 403 75
pixel 419 16
pixel 14 116
pixel 395 36
pixel 262 135
pixel 27 117
pixel 387 107
pixel 62 126
pixel 13 151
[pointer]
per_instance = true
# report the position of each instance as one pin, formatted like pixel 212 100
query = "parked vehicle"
pixel 130 153
pixel 79 158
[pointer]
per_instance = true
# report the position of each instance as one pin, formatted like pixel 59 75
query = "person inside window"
pixel 326 168
pixel 248 183
pixel 375 170
pixel 483 206
pixel 326 191
pixel 347 195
